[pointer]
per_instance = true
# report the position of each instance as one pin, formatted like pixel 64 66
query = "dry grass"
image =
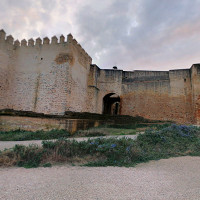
pixel 175 140
pixel 8 158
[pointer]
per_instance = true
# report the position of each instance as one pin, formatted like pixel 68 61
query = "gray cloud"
pixel 137 34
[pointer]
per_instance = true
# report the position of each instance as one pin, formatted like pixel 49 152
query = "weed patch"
pixel 154 144
pixel 20 135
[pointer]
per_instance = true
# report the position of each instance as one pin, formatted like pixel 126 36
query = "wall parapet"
pixel 180 73
pixel 141 75
pixel 82 54
pixel 49 73
pixel 9 43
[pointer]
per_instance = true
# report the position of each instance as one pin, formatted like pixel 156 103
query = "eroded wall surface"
pixel 158 95
pixel 145 93
pixel 43 76
pixel 196 92
pixel 37 123
pixel 54 76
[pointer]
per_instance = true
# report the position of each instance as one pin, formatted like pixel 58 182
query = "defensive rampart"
pixel 53 77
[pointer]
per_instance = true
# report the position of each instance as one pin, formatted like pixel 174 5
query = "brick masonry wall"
pixel 39 83
pixel 44 77
pixel 196 92
pixel 4 84
pixel 159 96
pixel 151 94
pixel 36 123
pixel 109 81
pixel 54 77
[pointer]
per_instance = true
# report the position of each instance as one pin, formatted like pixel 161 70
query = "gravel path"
pixel 10 144
pixel 170 179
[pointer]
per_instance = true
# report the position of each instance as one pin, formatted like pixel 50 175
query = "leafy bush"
pixel 28 157
pixel 115 151
pixel 170 141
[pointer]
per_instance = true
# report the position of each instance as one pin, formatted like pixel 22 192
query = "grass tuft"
pixel 47 165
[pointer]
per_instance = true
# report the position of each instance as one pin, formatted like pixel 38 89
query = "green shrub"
pixel 154 144
pixel 28 157
pixel 173 140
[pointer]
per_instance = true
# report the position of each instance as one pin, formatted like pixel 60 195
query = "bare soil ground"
pixel 167 179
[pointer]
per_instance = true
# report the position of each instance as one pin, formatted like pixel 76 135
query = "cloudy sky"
pixel 129 34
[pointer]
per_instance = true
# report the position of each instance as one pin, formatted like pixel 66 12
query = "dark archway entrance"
pixel 111 104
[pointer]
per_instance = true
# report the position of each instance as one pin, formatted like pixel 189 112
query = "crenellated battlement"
pixel 55 75
pixel 31 42
pixel 8 43
pixel 45 41
pixel 43 74
pixel 2 35
pixel 16 43
pixel 82 54
pixel 9 40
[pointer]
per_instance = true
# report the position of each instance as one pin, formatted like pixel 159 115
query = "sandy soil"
pixel 175 178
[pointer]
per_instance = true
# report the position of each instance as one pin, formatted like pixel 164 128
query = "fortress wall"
pixel 195 75
pixel 43 76
pixel 37 75
pixel 158 95
pixel 52 77
pixel 139 75
pixel 4 85
pixel 93 90
pixel 145 93
pixel 4 79
pixel 46 77
pixel 79 78
pixel 52 86
pixel 52 90
pixel 109 81
pixel 44 123
pixel 181 96
pixel 152 81
pixel 6 61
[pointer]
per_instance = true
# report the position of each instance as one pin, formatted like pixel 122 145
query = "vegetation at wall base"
pixel 154 144
pixel 21 135
pixel 115 129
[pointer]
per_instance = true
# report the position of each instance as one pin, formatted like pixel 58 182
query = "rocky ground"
pixel 168 179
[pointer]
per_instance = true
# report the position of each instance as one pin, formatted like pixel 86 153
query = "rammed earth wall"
pixel 53 77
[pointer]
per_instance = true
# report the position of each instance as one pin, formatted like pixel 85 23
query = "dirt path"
pixel 10 144
pixel 175 178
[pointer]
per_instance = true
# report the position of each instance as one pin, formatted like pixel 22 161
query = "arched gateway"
pixel 111 104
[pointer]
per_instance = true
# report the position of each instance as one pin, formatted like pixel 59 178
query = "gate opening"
pixel 111 104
